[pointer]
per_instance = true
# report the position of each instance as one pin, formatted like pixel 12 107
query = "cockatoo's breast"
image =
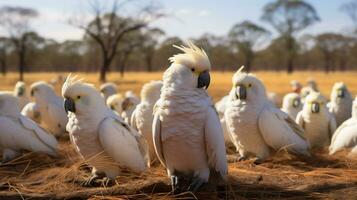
pixel 317 128
pixel 342 110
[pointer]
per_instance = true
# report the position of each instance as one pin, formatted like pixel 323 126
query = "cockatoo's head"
pixel 315 103
pixel 296 86
pixel 339 91
pixel 115 101
pixel 42 90
pixel 9 104
pixel 151 91
pixel 292 100
pixel 108 89
pixel 20 89
pixel 312 84
pixel 190 69
pixel 247 87
pixel 129 103
pixel 81 98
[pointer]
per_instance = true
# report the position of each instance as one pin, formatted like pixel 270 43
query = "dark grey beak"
pixel 341 93
pixel 315 107
pixel 296 103
pixel 204 80
pixel 241 92
pixel 69 105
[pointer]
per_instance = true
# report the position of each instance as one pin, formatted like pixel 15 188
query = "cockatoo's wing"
pixel 23 133
pixel 133 120
pixel 280 131
pixel 332 125
pixel 156 131
pixel 344 137
pixel 119 143
pixel 59 113
pixel 215 147
pixel 32 111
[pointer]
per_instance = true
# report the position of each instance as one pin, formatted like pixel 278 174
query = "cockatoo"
pixel 20 92
pixel 340 103
pixel 257 127
pixel 51 108
pixel 102 138
pixel 274 99
pixel 319 124
pixel 221 106
pixel 305 91
pixel 20 133
pixel 32 111
pixel 295 86
pixel 129 104
pixel 292 104
pixel 142 116
pixel 312 84
pixel 346 135
pixel 188 137
pixel 108 89
pixel 115 102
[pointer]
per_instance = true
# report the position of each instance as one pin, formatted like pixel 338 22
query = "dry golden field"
pixel 35 176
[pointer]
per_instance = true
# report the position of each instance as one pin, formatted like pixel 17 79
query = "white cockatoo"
pixel 143 117
pixel 129 104
pixel 19 133
pixel 292 104
pixel 295 86
pixel 319 124
pixel 32 111
pixel 21 92
pixel 115 102
pixel 108 89
pixel 312 84
pixel 340 104
pixel 221 106
pixel 51 108
pixel 257 127
pixel 346 135
pixel 101 137
pixel 188 137
pixel 274 99
pixel 305 91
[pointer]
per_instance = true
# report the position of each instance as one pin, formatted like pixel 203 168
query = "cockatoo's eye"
pixel 193 69
pixel 112 107
pixel 249 85
pixel 78 97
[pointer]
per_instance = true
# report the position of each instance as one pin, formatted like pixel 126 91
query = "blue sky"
pixel 190 18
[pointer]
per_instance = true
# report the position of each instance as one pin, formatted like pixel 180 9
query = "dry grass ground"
pixel 35 176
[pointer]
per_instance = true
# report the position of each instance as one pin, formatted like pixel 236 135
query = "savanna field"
pixel 38 176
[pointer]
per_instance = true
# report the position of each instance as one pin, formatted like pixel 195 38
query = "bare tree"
pixel 289 17
pixel 4 50
pixel 149 43
pixel 350 9
pixel 247 36
pixel 16 21
pixel 109 26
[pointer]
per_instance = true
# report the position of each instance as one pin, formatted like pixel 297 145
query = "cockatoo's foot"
pixel 107 182
pixel 91 181
pixel 196 184
pixel 242 158
pixel 174 184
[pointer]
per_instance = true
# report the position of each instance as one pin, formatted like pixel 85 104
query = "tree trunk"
pixel 21 66
pixel 104 68
pixel 290 52
pixel 3 65
pixel 149 63
pixel 248 61
pixel 327 64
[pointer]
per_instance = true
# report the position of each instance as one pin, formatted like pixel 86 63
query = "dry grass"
pixel 35 176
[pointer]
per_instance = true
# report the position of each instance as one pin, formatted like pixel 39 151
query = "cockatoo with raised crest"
pixel 256 126
pixel 51 108
pixel 19 133
pixel 188 137
pixel 100 136
pixel 142 116
pixel 319 124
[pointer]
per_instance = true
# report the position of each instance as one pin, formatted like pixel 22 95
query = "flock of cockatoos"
pixel 175 122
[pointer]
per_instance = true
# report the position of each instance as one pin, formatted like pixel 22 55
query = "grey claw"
pixel 90 182
pixel 174 183
pixel 107 182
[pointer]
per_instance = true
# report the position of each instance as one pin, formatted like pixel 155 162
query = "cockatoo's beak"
pixel 340 93
pixel 69 105
pixel 315 107
pixel 241 92
pixel 296 103
pixel 204 80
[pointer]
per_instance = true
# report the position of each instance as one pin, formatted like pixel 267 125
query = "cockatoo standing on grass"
pixel 20 92
pixel 51 108
pixel 319 124
pixel 32 111
pixel 18 133
pixel 292 104
pixel 142 116
pixel 340 104
pixel 346 134
pixel 102 138
pixel 256 126
pixel 108 89
pixel 188 137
